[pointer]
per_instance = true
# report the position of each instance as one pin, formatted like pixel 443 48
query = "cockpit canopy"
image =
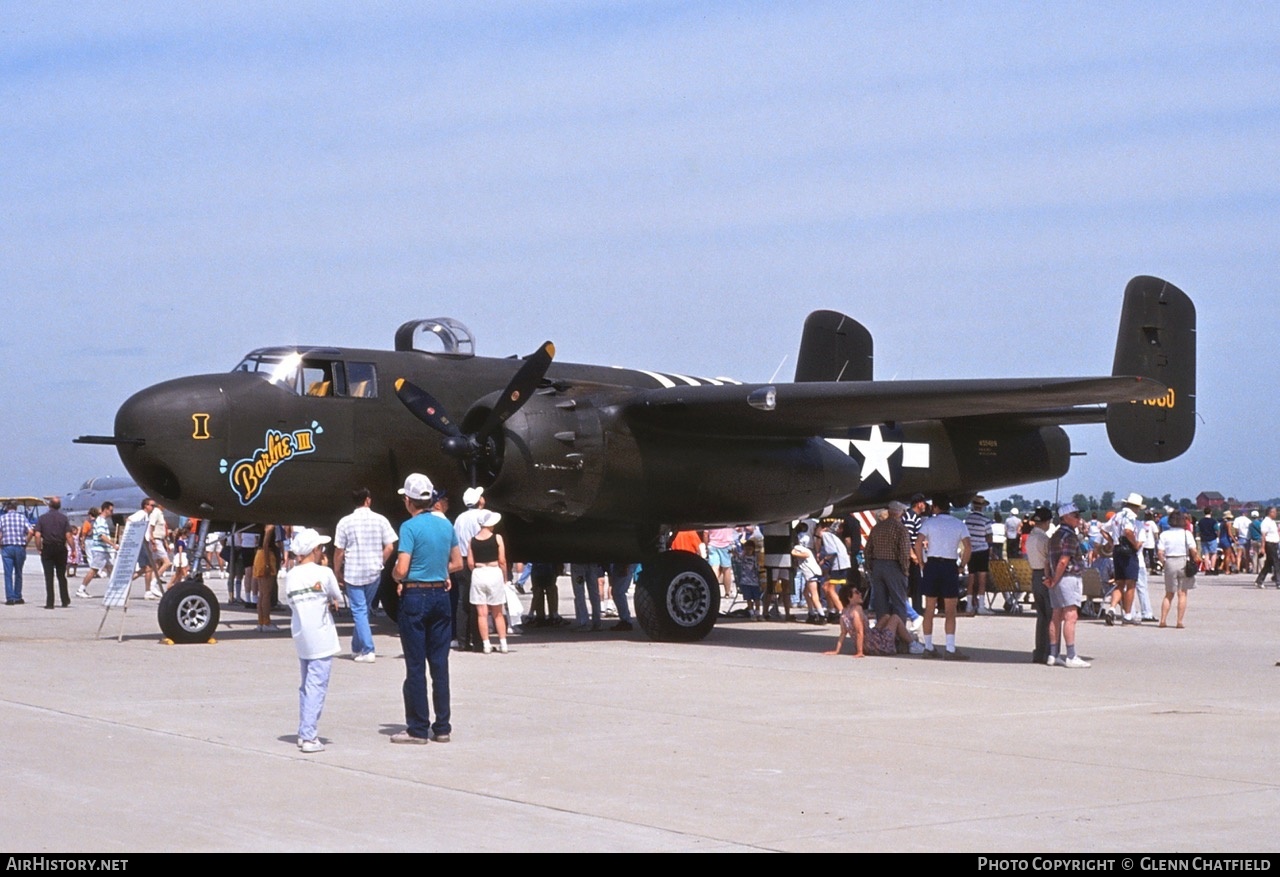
pixel 108 482
pixel 328 371
pixel 313 371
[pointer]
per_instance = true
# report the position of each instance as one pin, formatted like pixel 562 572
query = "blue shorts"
pixel 941 579
pixel 1126 566
pixel 719 557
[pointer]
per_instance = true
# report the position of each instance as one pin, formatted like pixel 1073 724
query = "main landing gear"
pixel 677 597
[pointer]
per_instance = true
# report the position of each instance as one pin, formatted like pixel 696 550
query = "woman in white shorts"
pixel 487 560
pixel 1175 547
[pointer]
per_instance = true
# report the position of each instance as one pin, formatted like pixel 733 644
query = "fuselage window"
pixel 322 378
pixel 362 380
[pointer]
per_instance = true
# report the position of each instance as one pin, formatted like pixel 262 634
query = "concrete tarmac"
pixel 749 740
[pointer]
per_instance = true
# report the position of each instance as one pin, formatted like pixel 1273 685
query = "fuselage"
pixel 292 432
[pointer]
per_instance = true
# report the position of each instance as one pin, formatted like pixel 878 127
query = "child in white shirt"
pixel 311 590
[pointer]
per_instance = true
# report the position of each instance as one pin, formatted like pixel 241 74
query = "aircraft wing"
pixel 830 409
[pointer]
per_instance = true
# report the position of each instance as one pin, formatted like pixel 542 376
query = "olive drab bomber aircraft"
pixel 599 463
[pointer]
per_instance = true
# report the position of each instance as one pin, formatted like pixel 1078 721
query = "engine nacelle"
pixel 567 457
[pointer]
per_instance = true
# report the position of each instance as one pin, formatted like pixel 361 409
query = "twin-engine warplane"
pixel 596 463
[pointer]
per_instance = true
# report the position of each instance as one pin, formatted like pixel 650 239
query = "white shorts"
pixel 488 587
pixel 159 552
pixel 99 559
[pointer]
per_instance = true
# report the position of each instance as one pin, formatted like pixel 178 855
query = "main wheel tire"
pixel 677 597
pixel 188 612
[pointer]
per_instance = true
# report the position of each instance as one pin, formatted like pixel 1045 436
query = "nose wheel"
pixel 188 612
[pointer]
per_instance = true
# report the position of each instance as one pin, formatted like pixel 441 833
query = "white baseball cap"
pixel 305 541
pixel 471 496
pixel 418 486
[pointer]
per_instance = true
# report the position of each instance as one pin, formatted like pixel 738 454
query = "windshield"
pixel 278 368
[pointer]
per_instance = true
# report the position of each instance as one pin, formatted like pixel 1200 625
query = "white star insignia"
pixel 875 454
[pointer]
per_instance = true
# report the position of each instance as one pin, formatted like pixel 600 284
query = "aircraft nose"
pixel 166 430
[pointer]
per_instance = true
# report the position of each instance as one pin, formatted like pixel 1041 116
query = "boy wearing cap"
pixel 311 589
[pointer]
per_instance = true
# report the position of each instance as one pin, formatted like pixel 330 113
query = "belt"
pixel 423 584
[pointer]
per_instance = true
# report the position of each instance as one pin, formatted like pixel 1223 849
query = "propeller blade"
pixel 424 407
pixel 518 390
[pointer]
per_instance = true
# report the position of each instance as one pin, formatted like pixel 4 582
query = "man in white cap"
pixel 1064 579
pixel 1128 543
pixel 428 553
pixel 466 527
pixel 1012 535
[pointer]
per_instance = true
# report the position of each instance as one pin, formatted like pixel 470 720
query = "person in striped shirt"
pixel 979 526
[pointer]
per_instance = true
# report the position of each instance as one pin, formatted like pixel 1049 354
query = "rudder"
pixel 1157 340
pixel 834 347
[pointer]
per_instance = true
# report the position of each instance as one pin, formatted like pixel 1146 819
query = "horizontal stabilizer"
pixel 1157 340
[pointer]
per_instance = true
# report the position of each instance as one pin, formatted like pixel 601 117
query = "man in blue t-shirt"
pixel 428 552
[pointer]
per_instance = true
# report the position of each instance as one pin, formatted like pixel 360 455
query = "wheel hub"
pixel 688 599
pixel 193 614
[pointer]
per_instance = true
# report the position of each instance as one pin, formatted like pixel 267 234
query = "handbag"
pixel 1191 567
pixel 515 609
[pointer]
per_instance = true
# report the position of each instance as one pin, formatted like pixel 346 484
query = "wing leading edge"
pixel 831 409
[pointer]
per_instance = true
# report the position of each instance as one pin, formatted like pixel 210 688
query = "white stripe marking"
pixel 661 379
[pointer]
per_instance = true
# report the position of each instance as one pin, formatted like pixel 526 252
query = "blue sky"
pixel 656 185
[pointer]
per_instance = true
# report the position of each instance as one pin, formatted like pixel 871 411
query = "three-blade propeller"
pixel 480 446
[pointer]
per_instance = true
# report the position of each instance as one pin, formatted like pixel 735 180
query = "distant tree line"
pixel 1107 502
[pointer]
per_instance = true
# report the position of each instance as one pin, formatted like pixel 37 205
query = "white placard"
pixel 126 563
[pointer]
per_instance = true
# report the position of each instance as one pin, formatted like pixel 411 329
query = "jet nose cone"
pixel 164 434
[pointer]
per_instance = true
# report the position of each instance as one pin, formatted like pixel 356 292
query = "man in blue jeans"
pixel 363 541
pixel 15 531
pixel 428 552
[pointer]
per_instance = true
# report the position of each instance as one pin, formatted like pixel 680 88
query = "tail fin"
pixel 833 348
pixel 1157 340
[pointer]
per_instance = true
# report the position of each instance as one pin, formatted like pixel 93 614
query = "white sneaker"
pixel 486 647
pixel 311 746
pixel 915 624
pixel 366 658
pixel 915 649
pixel 502 647
pixel 149 595
pixel 157 592
pixel 983 610
pixel 1076 663
pixel 1051 661
pixel 83 593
